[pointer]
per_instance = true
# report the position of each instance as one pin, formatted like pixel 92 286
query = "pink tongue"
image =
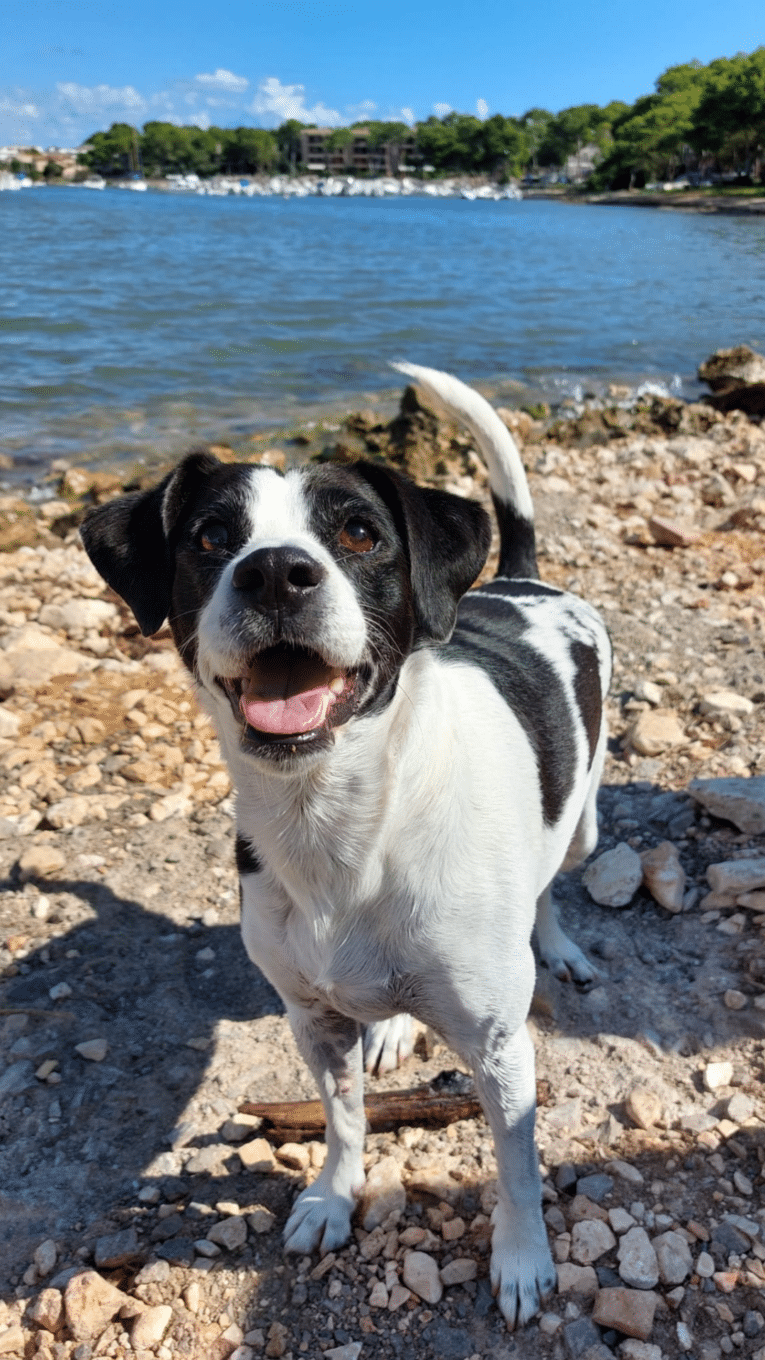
pixel 301 713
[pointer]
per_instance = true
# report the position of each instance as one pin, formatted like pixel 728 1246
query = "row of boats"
pixel 286 186
pixel 346 186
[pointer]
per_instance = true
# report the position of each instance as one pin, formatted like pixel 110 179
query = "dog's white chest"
pixel 322 955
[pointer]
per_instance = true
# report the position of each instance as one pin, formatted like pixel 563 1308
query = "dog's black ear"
pixel 129 540
pixel 446 539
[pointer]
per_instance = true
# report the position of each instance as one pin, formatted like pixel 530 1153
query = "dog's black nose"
pixel 278 577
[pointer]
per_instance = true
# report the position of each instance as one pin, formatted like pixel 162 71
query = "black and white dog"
pixel 413 766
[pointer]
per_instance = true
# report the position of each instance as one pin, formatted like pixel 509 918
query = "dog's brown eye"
pixel 213 537
pixel 357 537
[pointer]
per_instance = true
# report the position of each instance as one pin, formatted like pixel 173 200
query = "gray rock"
pixel 45 1257
pixel 747 1226
pixel 230 1233
pixel 595 1187
pixel 179 1251
pixel 740 1107
pixel 674 1257
pixel 578 1336
pixel 753 1323
pixel 566 1176
pixel 210 1160
pixel 736 799
pixel 453 1343
pixel 20 1076
pixel 590 1240
pixel 614 877
pixel 737 876
pixel 116 1249
pixel 725 1236
pixel 638 1266
pixel 382 1194
pixel 420 1274
pixel 167 1227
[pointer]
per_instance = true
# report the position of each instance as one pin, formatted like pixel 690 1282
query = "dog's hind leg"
pixel 388 1043
pixel 331 1046
pixel 564 958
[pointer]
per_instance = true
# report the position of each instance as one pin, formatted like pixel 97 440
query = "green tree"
pixel 504 147
pixel 339 139
pixel 389 137
pixel 450 143
pixel 729 121
pixel 112 153
pixel 574 128
pixel 651 139
pixel 247 150
pixel 288 141
pixel 533 124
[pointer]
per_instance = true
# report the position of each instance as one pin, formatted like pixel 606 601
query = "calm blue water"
pixel 131 324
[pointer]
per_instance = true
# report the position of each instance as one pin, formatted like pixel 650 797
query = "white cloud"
pixel 277 103
pixel 223 80
pixel 481 108
pixel 15 109
pixel 356 113
pixel 94 99
pixel 441 110
pixel 18 118
pixel 67 113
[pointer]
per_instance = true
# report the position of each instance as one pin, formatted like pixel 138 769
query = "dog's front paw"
pixel 320 1218
pixel 522 1270
pixel 388 1043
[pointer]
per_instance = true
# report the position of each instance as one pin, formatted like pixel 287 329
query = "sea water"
pixel 132 325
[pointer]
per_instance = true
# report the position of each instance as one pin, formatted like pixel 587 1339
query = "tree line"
pixel 708 119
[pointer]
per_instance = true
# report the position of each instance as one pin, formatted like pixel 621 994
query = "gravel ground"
pixel 139 1212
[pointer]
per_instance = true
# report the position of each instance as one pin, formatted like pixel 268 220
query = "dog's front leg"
pixel 331 1046
pixel 522 1272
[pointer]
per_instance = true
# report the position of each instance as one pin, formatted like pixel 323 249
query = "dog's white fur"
pixel 398 866
pixel 413 856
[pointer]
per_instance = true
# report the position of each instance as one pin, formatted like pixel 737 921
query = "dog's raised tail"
pixel 507 477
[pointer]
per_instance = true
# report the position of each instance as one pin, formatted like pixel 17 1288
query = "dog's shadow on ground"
pixel 70 1151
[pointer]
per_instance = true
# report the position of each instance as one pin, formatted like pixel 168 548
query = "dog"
pixel 414 762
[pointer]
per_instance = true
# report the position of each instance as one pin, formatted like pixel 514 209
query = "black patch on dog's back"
pixel 247 861
pixel 490 633
pixel 587 690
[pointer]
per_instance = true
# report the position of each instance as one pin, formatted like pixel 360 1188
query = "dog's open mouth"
pixel 289 693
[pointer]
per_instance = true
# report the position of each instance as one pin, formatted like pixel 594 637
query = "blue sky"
pixel 70 67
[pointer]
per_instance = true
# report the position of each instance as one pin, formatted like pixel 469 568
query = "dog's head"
pixel 294 600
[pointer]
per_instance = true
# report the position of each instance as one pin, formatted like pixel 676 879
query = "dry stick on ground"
pixel 385 1110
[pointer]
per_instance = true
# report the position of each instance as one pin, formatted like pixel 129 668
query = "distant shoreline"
pixel 459 186
pixel 682 200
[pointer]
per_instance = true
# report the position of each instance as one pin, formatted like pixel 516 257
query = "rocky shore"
pixel 682 200
pixel 140 1212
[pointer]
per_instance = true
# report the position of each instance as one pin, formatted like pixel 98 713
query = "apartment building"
pixel 357 157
